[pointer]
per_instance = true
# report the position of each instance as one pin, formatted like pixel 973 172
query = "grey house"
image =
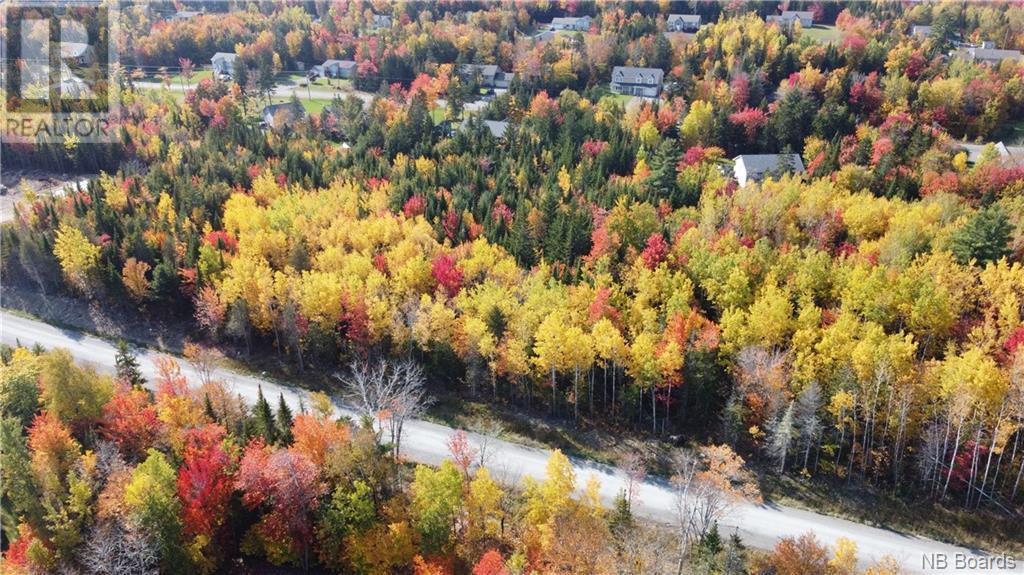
pixel 682 23
pixel 987 55
pixel 381 22
pixel 186 14
pixel 282 115
pixel 578 24
pixel 921 31
pixel 788 17
pixel 645 82
pixel 495 127
pixel 223 63
pixel 336 69
pixel 756 167
pixel 80 53
pixel 490 75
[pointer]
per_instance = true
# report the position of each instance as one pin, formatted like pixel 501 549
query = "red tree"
pixel 492 563
pixel 655 252
pixel 204 481
pixel 130 421
pixel 447 274
pixel 284 483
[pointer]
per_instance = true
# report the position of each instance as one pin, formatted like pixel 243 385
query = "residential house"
pixel 497 128
pixel 381 22
pixel 336 69
pixel 186 14
pixel 975 151
pixel 756 167
pixel 282 115
pixel 574 23
pixel 78 53
pixel 544 36
pixel 987 55
pixel 223 63
pixel 682 23
pixel 645 82
pixel 788 17
pixel 490 75
pixel 921 31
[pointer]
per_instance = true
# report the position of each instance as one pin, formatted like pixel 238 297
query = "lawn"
pixel 198 75
pixel 312 106
pixel 823 34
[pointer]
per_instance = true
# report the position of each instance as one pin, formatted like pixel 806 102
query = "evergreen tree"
pixel 985 238
pixel 284 421
pixel 622 515
pixel 263 424
pixel 128 366
pixel 208 408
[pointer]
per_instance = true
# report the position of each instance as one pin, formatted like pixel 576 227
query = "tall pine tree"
pixel 284 421
pixel 263 424
pixel 128 366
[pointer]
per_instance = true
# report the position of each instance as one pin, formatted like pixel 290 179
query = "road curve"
pixel 759 525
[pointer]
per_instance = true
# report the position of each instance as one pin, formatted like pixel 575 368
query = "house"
pixel 490 75
pixel 336 69
pixel 78 53
pixel 921 31
pixel 987 55
pixel 544 36
pixel 497 128
pixel 975 151
pixel 186 14
pixel 381 22
pixel 755 167
pixel 682 23
pixel 283 114
pixel 788 17
pixel 577 24
pixel 223 63
pixel 632 81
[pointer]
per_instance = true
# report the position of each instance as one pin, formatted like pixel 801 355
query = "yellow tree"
pixel 78 257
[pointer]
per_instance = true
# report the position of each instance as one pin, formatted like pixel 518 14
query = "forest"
pixel 598 265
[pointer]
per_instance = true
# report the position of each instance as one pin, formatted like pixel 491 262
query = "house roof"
pixel 496 127
pixel 920 30
pixel 294 107
pixel 691 18
pixel 989 54
pixel 482 69
pixel 339 63
pixel 631 75
pixel 797 14
pixel 224 56
pixel 756 164
pixel 73 49
pixel 568 20
pixel 974 151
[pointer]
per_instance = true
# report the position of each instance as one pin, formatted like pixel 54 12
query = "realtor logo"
pixel 59 64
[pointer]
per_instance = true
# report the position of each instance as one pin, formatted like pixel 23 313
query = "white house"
pixel 223 63
pixel 577 23
pixel 756 167
pixel 682 23
pixel 645 82
pixel 788 17
pixel 381 22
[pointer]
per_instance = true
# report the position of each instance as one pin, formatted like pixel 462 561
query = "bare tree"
pixel 707 488
pixel 636 470
pixel 390 392
pixel 203 359
pixel 116 549
pixel 807 420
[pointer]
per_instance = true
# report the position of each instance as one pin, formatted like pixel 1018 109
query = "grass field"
pixel 823 34
pixel 198 75
pixel 312 106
